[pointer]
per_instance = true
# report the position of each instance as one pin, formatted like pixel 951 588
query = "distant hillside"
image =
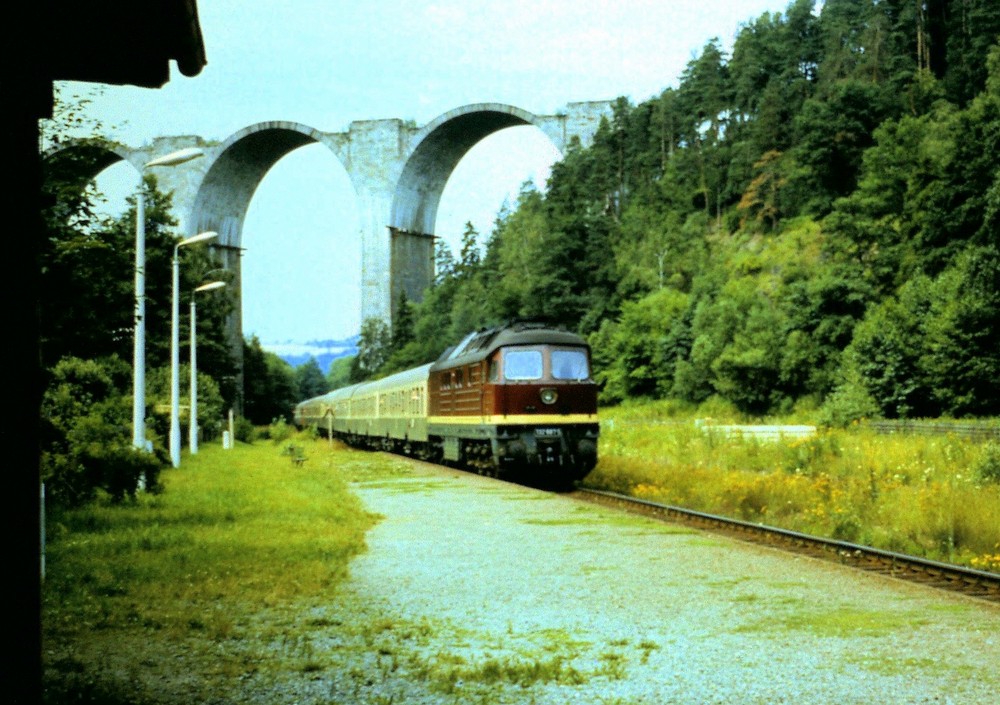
pixel 325 351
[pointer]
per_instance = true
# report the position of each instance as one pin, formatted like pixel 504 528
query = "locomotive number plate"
pixel 546 432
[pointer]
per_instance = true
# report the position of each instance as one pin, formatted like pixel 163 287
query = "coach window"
pixel 460 378
pixel 522 365
pixel 494 370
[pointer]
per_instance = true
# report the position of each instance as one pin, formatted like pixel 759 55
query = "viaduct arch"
pixel 398 171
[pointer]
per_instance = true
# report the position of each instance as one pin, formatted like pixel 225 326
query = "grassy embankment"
pixel 935 496
pixel 183 594
pixel 133 592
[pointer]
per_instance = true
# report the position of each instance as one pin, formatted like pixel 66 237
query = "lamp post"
pixel 193 414
pixel 139 337
pixel 175 383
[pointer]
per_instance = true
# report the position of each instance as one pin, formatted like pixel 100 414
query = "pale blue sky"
pixel 326 64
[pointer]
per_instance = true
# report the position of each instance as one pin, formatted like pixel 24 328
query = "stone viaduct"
pixel 398 171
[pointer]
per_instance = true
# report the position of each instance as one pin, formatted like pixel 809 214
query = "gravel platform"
pixel 478 591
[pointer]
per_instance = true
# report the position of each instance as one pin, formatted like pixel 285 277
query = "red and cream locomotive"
pixel 515 401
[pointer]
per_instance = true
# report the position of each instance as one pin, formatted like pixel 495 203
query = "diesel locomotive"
pixel 516 401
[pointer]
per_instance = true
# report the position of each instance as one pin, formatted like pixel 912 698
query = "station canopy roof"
pixel 119 41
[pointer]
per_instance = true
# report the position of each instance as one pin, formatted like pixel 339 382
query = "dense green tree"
pixel 732 236
pixel 773 70
pixel 932 349
pixel 747 370
pixel 832 134
pixel 967 30
pixel 309 380
pixel 339 374
pixel 374 348
pixel 87 293
pixel 87 301
pixel 470 256
pixel 705 98
pixel 574 273
pixel 270 391
pixel 887 348
pixel 402 324
pixel 512 255
pixel 954 200
pixel 633 353
pixel 962 358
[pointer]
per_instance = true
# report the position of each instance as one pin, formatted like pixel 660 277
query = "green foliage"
pixel 87 435
pixel 987 466
pixel 309 380
pixel 270 389
pixel 280 430
pixel 932 349
pixel 87 307
pixel 374 348
pixel 832 134
pixel 402 326
pixel 244 430
pixel 807 223
pixel 961 358
pixel 636 355
pixel 339 374
pixel 848 403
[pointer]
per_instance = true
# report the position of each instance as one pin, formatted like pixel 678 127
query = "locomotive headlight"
pixel 549 396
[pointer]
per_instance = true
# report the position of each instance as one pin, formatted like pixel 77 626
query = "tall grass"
pixel 231 528
pixel 927 496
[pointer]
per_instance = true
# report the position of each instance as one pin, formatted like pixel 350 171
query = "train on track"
pixel 516 401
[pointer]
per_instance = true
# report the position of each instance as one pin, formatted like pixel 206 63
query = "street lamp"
pixel 175 383
pixel 193 414
pixel 139 337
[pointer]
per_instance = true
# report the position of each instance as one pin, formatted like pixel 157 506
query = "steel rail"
pixel 946 576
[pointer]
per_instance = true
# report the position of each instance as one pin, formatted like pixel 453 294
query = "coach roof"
pixel 481 344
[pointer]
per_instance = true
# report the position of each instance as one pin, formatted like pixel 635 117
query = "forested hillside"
pixel 809 222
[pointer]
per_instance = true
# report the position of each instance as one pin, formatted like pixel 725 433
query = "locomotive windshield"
pixel 569 364
pixel 522 364
pixel 526 364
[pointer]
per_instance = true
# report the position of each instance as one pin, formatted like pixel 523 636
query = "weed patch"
pixel 839 623
pixel 932 496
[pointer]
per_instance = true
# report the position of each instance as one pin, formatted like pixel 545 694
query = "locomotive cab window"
pixel 519 365
pixel 569 365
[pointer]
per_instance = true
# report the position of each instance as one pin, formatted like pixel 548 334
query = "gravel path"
pixel 478 591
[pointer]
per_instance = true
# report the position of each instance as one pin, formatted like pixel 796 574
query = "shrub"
pixel 987 466
pixel 280 430
pixel 87 436
pixel 848 403
pixel 244 430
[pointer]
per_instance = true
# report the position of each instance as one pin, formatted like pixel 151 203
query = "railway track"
pixel 967 581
